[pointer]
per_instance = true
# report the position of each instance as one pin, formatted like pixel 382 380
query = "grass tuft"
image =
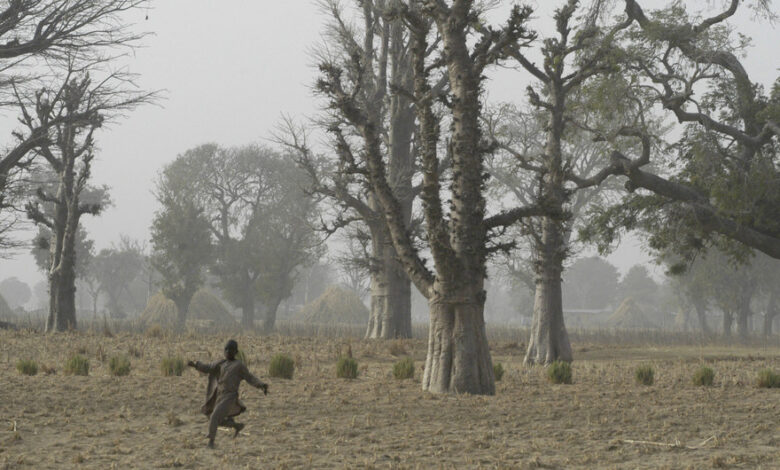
pixel 119 366
pixel 704 376
pixel 27 367
pixel 281 366
pixel 768 378
pixel 242 357
pixel 172 366
pixel 559 372
pixel 77 365
pixel 498 371
pixel 347 368
pixel 404 369
pixel 645 374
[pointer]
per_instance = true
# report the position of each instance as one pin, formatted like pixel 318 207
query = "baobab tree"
pixel 458 359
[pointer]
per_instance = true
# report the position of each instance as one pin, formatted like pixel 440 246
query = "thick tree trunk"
pixel 62 275
pixel 770 314
pixel 182 306
pixel 458 358
pixel 549 340
pixel 269 321
pixel 248 308
pixel 391 295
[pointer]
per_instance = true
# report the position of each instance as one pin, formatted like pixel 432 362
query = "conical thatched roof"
pixel 629 316
pixel 205 309
pixel 335 305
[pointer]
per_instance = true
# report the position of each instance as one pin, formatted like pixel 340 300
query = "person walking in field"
pixel 222 403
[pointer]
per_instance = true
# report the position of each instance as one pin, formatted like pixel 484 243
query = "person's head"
pixel 231 349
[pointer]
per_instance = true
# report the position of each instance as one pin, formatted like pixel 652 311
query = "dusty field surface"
pixel 603 420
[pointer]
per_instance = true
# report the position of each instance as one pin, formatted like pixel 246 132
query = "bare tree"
pixel 79 107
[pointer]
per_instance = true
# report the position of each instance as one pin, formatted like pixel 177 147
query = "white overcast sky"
pixel 230 69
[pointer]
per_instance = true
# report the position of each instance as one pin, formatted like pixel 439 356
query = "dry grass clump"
pixel 396 348
pixel 172 366
pixel 768 378
pixel 559 372
pixel 404 369
pixel 281 366
pixel 77 365
pixel 498 371
pixel 645 374
pixel 155 330
pixel 346 368
pixel 241 356
pixel 703 376
pixel 27 367
pixel 119 366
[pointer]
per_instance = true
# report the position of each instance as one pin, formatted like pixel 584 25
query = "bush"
pixel 498 371
pixel 559 372
pixel 645 374
pixel 703 376
pixel 768 379
pixel 171 366
pixel 346 368
pixel 27 367
pixel 242 357
pixel 77 365
pixel 404 369
pixel 119 366
pixel 281 366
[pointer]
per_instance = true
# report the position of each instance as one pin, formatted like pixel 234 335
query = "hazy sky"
pixel 230 69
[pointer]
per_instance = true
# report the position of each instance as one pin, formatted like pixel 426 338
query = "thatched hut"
pixel 206 310
pixel 630 316
pixel 335 305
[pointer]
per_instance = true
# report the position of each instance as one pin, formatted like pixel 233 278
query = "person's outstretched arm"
pixel 203 367
pixel 252 380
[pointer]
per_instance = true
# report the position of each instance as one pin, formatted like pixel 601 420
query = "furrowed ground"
pixel 603 420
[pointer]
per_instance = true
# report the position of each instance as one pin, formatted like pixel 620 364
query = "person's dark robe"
pixel 224 379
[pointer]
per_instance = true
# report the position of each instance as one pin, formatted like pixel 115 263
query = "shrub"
pixel 404 369
pixel 119 366
pixel 171 366
pixel 281 366
pixel 498 371
pixel 346 368
pixel 242 357
pixel 767 378
pixel 645 374
pixel 559 372
pixel 77 365
pixel 27 367
pixel 703 376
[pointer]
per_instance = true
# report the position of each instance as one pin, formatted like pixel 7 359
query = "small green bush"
pixel 767 378
pixel 171 366
pixel 346 368
pixel 119 365
pixel 559 372
pixel 703 376
pixel 27 367
pixel 77 365
pixel 242 357
pixel 498 371
pixel 281 366
pixel 645 374
pixel 404 369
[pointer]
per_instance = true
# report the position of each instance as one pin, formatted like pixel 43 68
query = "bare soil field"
pixel 603 420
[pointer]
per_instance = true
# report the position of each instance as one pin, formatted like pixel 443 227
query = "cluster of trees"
pixel 240 214
pixel 533 176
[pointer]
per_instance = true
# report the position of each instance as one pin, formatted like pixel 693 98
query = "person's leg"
pixel 217 416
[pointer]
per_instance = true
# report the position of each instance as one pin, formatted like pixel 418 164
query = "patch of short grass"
pixel 346 368
pixel 119 366
pixel 768 378
pixel 559 372
pixel 241 356
pixel 27 367
pixel 77 365
pixel 281 366
pixel 704 376
pixel 172 366
pixel 645 374
pixel 404 369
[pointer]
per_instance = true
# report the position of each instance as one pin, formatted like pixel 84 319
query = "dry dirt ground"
pixel 603 420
